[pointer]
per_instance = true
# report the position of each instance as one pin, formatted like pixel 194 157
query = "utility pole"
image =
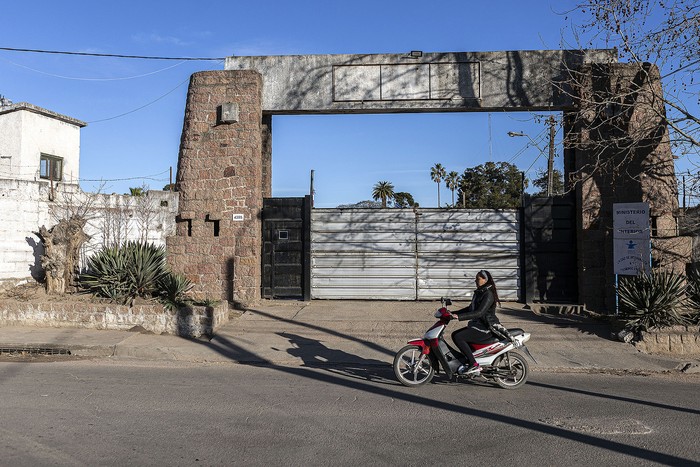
pixel 312 192
pixel 684 193
pixel 550 161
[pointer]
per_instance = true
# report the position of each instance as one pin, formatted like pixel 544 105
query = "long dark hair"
pixel 484 274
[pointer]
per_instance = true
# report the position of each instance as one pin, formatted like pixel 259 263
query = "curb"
pixel 165 354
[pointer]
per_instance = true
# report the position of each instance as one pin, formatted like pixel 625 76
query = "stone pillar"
pixel 620 143
pixel 220 181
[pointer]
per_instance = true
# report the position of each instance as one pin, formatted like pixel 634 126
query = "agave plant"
pixel 172 288
pixel 147 265
pixel 125 272
pixel 106 275
pixel 693 293
pixel 652 300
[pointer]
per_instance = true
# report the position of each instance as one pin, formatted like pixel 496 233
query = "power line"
pixel 143 106
pixel 90 54
pixel 181 59
pixel 143 177
pixel 80 180
pixel 91 79
pixel 533 162
pixel 534 142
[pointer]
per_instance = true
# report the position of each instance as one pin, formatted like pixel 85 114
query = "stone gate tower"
pixel 224 169
pixel 221 184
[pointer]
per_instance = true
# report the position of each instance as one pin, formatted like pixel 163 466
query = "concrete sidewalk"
pixel 346 333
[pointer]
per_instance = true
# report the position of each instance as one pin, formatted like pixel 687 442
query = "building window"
pixel 51 167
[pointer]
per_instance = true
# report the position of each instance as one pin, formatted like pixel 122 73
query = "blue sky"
pixel 135 108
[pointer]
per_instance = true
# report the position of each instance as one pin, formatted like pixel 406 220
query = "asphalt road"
pixel 105 412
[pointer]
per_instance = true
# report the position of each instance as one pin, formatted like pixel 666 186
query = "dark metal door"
pixel 549 250
pixel 285 255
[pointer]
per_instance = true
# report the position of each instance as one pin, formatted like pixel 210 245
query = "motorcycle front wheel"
pixel 412 368
pixel 510 370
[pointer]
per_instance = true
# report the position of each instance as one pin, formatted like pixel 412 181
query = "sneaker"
pixel 469 370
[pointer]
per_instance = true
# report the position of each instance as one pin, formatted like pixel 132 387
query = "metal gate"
pixel 285 254
pixel 550 270
pixel 402 254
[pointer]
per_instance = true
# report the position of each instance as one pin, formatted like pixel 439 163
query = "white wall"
pixel 10 145
pixel 27 205
pixel 21 214
pixel 28 202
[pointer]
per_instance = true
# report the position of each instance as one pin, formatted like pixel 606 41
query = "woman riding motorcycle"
pixel 483 324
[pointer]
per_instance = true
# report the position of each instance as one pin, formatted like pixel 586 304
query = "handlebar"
pixel 443 313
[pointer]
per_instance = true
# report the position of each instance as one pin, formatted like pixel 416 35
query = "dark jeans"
pixel 462 337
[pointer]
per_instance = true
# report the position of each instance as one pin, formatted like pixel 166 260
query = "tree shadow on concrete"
pixel 583 323
pixel 684 410
pixel 315 354
pixel 365 380
pixel 232 351
pixel 370 345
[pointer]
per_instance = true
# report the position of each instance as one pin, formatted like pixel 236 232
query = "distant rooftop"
pixel 6 106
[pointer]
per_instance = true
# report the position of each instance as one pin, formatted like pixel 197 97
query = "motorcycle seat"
pixel 493 339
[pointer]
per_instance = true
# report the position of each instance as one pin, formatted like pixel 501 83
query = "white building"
pixel 39 145
pixel 39 185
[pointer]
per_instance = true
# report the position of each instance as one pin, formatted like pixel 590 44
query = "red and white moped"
pixel 417 363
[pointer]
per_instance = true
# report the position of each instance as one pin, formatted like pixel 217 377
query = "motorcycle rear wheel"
pixel 412 368
pixel 510 370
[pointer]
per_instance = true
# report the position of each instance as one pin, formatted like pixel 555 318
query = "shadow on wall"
pixel 230 275
pixel 195 321
pixel 35 269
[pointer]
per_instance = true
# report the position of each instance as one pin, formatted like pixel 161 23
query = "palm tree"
pixel 437 173
pixel 138 191
pixel 383 191
pixel 452 180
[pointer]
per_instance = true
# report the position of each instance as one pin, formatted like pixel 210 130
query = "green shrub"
pixel 106 275
pixel 172 289
pixel 652 300
pixel 693 293
pixel 132 270
pixel 147 266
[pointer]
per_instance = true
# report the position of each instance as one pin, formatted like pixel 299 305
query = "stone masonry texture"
pixel 617 149
pixel 188 321
pixel 221 183
pixel 622 154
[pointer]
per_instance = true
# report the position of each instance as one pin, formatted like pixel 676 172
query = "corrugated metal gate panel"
pixel 381 254
pixel 363 254
pixel 452 243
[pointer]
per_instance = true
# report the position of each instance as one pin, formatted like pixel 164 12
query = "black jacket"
pixel 482 309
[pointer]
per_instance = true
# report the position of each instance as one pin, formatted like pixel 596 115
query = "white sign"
pixel 631 256
pixel 631 239
pixel 238 217
pixel 631 220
